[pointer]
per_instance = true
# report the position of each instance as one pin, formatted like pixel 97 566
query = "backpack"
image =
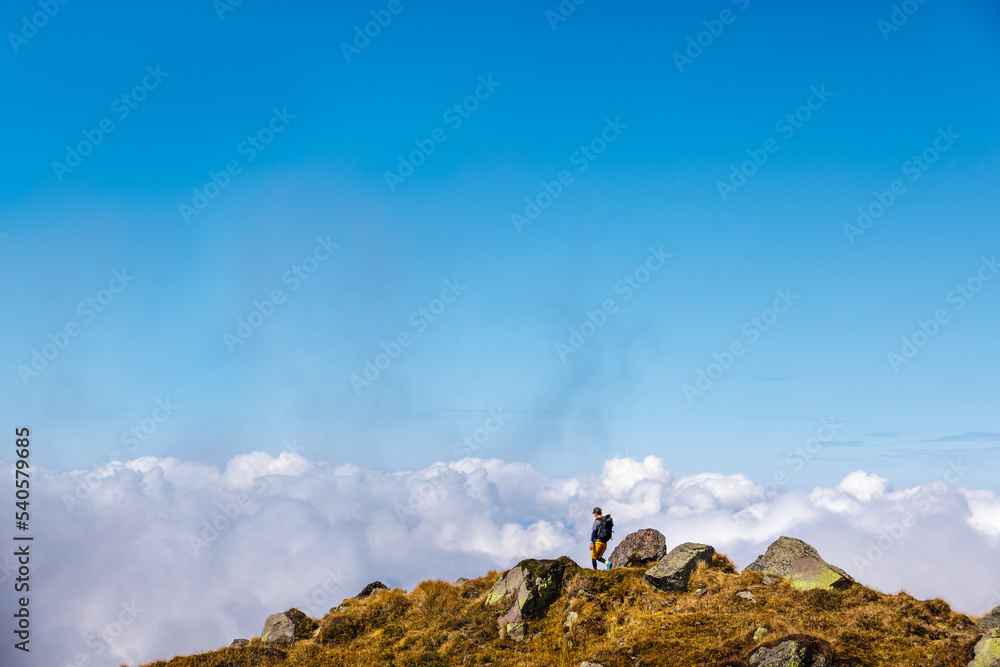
pixel 605 528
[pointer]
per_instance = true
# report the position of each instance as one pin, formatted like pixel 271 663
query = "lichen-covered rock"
pixel 530 586
pixel 987 651
pixel 638 549
pixel 240 642
pixel 782 554
pixel 788 653
pixel 515 631
pixel 674 570
pixel 808 574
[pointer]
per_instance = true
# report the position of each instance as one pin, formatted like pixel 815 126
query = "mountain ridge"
pixel 689 607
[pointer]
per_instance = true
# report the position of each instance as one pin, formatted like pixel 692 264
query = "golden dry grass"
pixel 622 622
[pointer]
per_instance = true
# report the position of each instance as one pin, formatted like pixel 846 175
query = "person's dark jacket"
pixel 593 530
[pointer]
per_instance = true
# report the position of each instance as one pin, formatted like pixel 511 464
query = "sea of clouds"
pixel 152 558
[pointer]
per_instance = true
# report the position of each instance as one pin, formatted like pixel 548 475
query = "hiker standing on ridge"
pixel 600 535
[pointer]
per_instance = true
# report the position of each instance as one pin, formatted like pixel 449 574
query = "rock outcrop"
pixel 783 554
pixel 808 574
pixel 797 651
pixel 529 587
pixel 371 588
pixel 673 571
pixel 641 548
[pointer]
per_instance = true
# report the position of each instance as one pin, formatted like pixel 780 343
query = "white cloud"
pixel 863 486
pixel 200 555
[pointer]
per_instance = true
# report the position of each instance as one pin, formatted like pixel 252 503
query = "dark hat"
pixel 597 510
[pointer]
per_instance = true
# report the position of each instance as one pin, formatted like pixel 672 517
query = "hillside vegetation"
pixel 615 619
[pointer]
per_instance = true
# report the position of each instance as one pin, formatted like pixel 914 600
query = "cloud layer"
pixel 155 557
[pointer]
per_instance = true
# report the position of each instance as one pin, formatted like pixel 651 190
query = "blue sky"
pixel 888 96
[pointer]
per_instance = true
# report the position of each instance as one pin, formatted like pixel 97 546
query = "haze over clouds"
pixel 188 556
pixel 729 270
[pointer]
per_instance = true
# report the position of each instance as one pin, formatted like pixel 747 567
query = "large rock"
pixel 286 627
pixel 987 651
pixel 788 653
pixel 782 554
pixel 673 571
pixel 640 548
pixel 278 629
pixel 529 587
pixel 808 574
pixel 990 621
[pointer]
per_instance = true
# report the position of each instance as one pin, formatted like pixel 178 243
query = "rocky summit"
pixel 687 607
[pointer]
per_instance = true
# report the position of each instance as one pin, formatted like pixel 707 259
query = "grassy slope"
pixel 621 622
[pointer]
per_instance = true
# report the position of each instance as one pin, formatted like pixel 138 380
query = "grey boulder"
pixel 990 621
pixel 529 588
pixel 673 572
pixel 987 651
pixel 782 554
pixel 787 653
pixel 278 629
